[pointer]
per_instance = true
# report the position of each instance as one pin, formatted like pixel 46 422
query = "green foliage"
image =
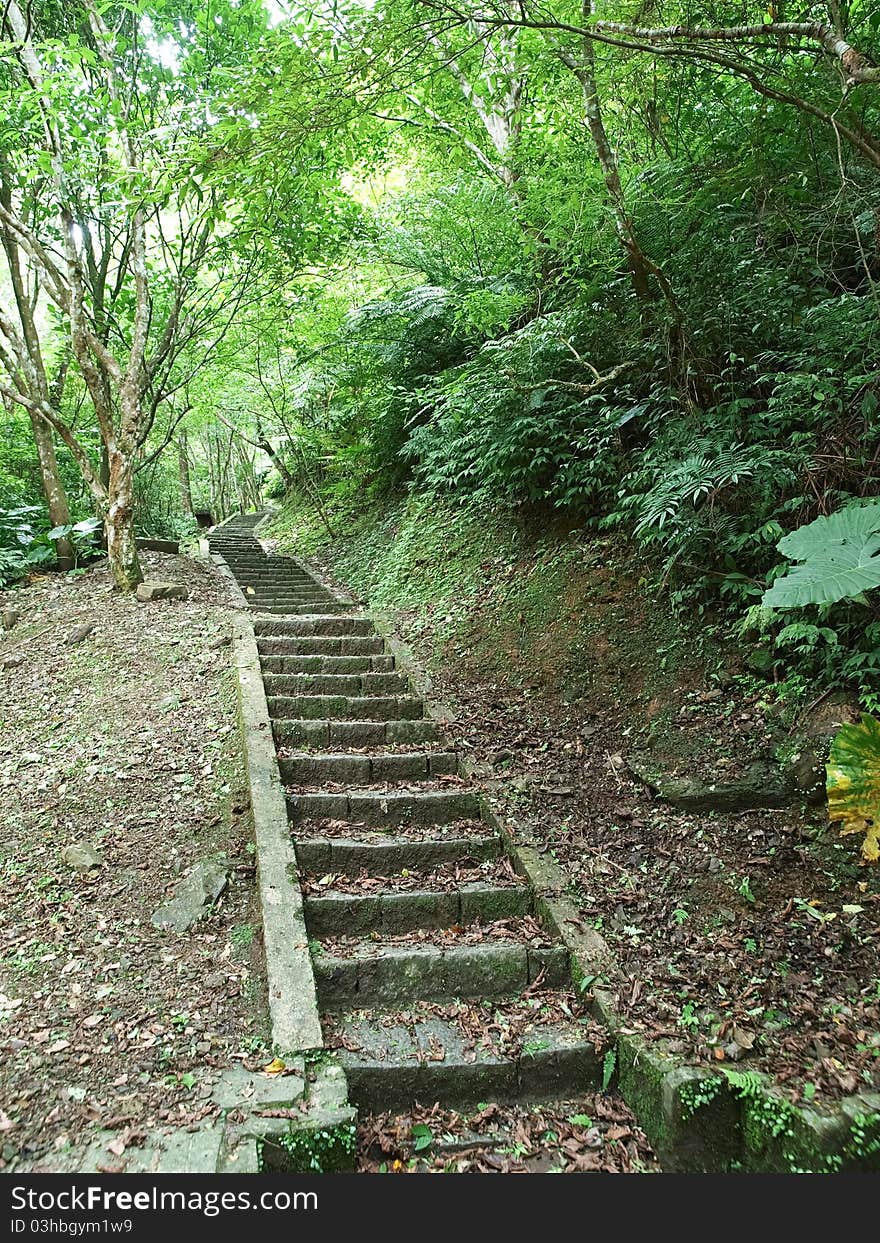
pixel 434 291
pixel 313 1150
pixel 839 556
pixel 609 1065
pixel 854 783
pixel 18 555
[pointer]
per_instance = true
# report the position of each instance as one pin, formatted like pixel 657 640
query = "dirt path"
pixel 126 742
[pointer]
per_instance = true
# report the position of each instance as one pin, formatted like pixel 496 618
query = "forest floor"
pixel 124 742
pixel 747 939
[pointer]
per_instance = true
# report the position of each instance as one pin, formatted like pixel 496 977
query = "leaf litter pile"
pixel 123 744
pixel 593 1135
pixel 360 832
pixel 523 929
pixel 498 873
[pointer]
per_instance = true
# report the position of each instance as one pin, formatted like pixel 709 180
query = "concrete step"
pixel 381 854
pixel 321 645
pixel 288 594
pixel 324 733
pixel 339 768
pixel 318 604
pixel 327 624
pixel 379 973
pixel 327 664
pixel 394 1059
pixel 348 684
pixel 270 578
pixel 275 578
pixel 399 912
pixel 385 808
pixel 342 707
pixel 297 610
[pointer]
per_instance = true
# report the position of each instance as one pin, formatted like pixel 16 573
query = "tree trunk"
pixel 186 502
pixel 278 462
pixel 119 524
pixel 586 74
pixel 53 488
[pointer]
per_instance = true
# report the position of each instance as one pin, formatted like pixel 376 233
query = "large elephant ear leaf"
pixel 840 556
pixel 853 783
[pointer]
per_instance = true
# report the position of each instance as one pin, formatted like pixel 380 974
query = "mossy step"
pixel 388 973
pixel 344 707
pixel 357 684
pixel 296 610
pixel 321 645
pixel 277 595
pixel 333 912
pixel 385 809
pixel 393 1061
pixel 343 769
pixel 330 624
pixel 327 733
pixel 280 583
pixel 351 856
pixel 274 582
pixel 327 664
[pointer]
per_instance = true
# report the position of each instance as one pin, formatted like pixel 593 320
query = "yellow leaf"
pixel 853 783
pixel 275 1067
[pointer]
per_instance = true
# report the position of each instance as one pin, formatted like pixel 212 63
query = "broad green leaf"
pixel 852 525
pixel 839 555
pixel 853 783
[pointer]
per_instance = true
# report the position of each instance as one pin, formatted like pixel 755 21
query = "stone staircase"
pixel 437 981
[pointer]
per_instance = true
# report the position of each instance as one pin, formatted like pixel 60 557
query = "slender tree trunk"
pixel 53 489
pixel 186 502
pixel 586 74
pixel 279 464
pixel 119 523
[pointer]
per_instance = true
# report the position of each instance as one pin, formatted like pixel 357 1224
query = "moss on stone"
pixel 321 1149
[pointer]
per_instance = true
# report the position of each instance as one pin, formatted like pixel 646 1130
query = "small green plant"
pixel 311 1150
pixel 688 1018
pixel 242 936
pixel 744 889
pixel 695 1096
pixel 609 1065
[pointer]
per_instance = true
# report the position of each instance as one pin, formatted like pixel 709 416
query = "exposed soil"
pixel 125 741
